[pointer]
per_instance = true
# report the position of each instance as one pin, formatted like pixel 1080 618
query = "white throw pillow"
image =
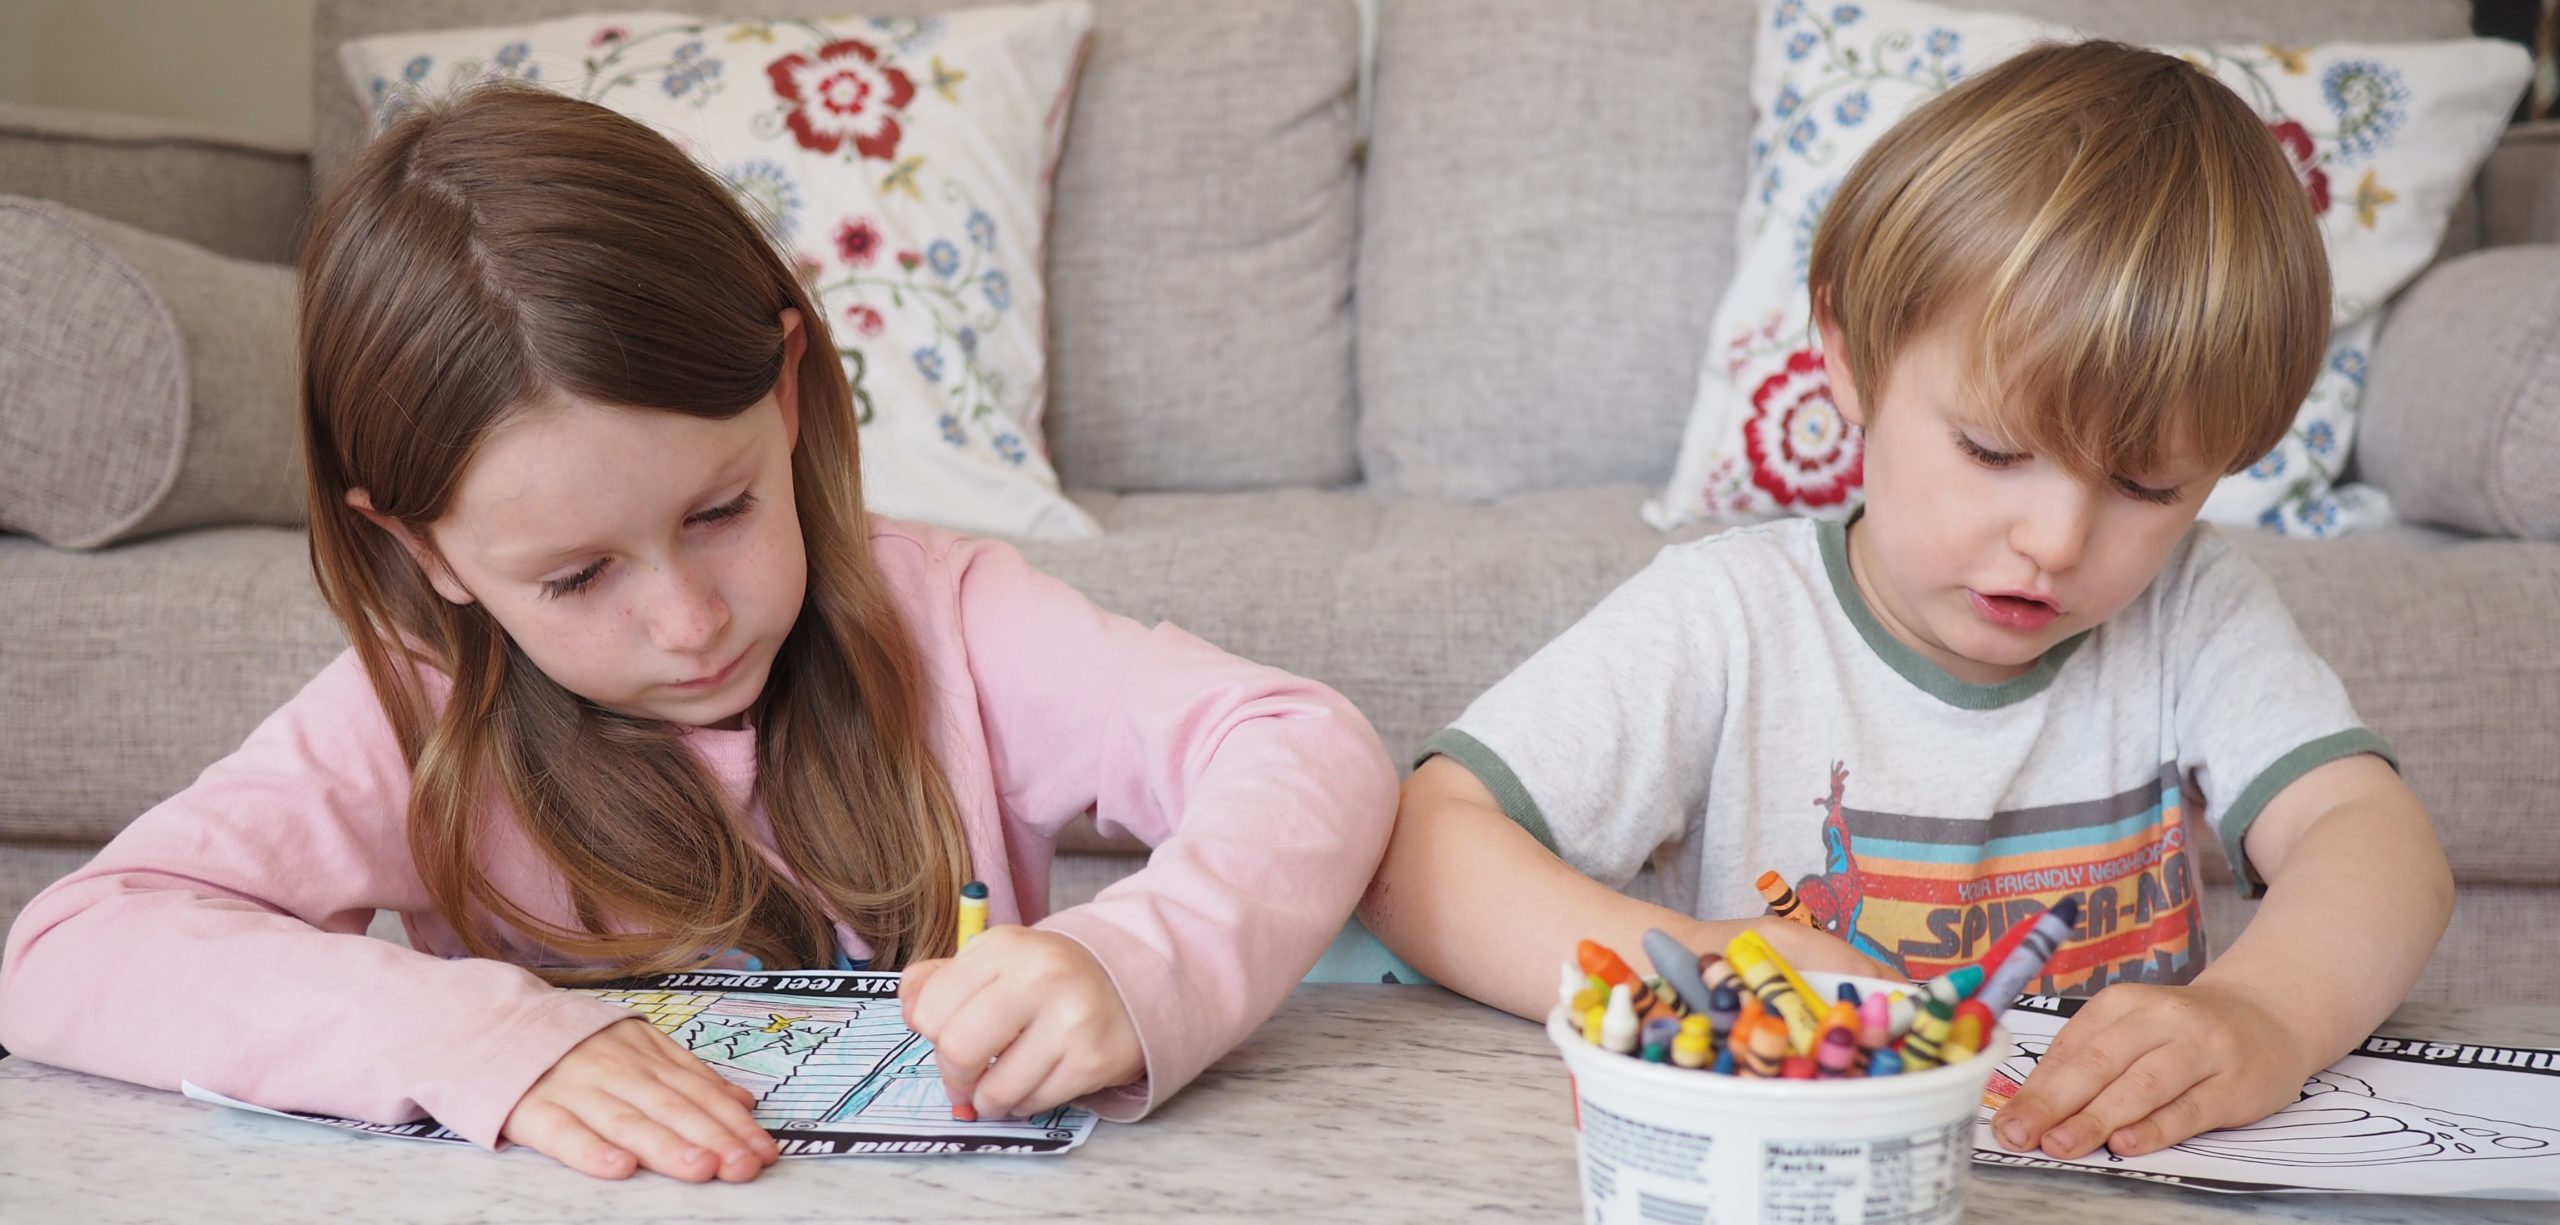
pixel 2386 137
pixel 904 164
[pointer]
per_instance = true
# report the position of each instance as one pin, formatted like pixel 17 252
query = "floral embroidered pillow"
pixel 903 164
pixel 2385 138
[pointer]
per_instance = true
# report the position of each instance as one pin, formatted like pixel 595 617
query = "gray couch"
pixel 1383 415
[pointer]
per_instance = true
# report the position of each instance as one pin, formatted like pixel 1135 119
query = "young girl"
pixel 637 687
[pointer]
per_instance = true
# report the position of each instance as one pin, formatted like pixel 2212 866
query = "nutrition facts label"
pixel 1896 1181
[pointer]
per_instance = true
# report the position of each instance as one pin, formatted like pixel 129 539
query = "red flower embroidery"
pixel 865 320
pixel 858 241
pixel 1803 452
pixel 607 37
pixel 2298 150
pixel 843 95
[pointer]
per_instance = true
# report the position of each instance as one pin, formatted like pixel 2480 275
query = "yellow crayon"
pixel 1692 1048
pixel 1812 999
pixel 1593 1018
pixel 1964 1037
pixel 973 911
pixel 1777 987
pixel 1588 998
pixel 1925 1046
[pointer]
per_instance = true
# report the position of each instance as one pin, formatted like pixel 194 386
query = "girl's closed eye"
pixel 727 512
pixel 2146 493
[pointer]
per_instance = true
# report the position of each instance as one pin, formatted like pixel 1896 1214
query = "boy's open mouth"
pixel 2015 612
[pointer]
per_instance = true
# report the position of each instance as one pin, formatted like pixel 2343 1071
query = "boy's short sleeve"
pixel 1601 744
pixel 2255 707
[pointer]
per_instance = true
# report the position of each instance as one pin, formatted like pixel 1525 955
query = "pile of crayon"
pixel 1746 1012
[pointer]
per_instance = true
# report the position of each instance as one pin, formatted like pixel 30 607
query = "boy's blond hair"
pixel 2143 259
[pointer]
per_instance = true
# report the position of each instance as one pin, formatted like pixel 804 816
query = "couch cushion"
pixel 1534 294
pixel 2520 187
pixel 132 669
pixel 1201 235
pixel 145 384
pixel 223 192
pixel 2462 418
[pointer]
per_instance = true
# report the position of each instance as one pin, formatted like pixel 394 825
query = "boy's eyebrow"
pixel 538 557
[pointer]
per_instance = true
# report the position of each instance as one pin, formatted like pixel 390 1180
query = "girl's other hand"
pixel 628 1097
pixel 1034 1004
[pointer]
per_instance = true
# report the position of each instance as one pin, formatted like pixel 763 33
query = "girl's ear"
pixel 1835 365
pixel 795 343
pixel 421 551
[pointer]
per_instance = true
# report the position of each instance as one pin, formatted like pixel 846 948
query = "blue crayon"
pixel 1886 1062
pixel 1849 994
pixel 1953 987
pixel 1724 1005
pixel 1658 1034
pixel 1679 967
pixel 2024 962
pixel 1724 1060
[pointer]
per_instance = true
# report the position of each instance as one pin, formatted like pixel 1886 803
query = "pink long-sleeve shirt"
pixel 218 940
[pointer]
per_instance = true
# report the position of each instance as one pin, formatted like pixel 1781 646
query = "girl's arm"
pixel 1267 798
pixel 219 940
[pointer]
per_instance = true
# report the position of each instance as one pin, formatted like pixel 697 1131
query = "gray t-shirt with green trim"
pixel 1736 708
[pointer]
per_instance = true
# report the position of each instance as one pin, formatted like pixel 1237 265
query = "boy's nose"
pixel 2056 531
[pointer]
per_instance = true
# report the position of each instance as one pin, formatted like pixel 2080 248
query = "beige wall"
pixel 240 65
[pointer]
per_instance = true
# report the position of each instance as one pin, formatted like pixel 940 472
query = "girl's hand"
pixel 2144 1067
pixel 629 1097
pixel 1034 1004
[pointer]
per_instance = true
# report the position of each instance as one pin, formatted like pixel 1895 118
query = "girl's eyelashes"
pixel 558 587
pixel 726 512
pixel 730 509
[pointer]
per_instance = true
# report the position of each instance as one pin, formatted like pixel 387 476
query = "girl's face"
pixel 648 561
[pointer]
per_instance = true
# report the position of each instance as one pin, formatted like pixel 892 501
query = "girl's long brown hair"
pixel 481 255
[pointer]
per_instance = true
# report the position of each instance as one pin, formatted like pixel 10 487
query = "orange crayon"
pixel 1599 961
pixel 1783 901
pixel 1764 1053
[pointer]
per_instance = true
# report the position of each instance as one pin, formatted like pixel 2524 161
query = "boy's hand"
pixel 1034 1004
pixel 628 1097
pixel 1804 948
pixel 2143 1067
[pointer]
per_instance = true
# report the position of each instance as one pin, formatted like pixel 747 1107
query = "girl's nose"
pixel 691 613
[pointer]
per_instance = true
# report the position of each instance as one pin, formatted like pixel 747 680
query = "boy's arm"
pixel 1471 899
pixel 2358 894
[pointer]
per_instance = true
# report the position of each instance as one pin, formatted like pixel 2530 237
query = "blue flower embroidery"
pixel 1801 44
pixel 512 56
pixel 2350 364
pixel 982 230
pixel 968 338
pixel 999 290
pixel 1010 447
pixel 1807 222
pixel 1846 13
pixel 1943 43
pixel 1800 137
pixel 944 257
pixel 1851 110
pixel 2320 514
pixel 1789 12
pixel 1769 187
pixel 1788 101
pixel 2321 438
pixel 951 431
pixel 689 70
pixel 2371 102
pixel 2269 468
pixel 929 363
pixel 769 193
pixel 416 70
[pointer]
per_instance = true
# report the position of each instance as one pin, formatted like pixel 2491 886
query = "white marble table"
pixel 1355 1104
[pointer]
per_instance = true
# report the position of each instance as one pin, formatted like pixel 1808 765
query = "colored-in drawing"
pixel 835 1070
pixel 2399 1116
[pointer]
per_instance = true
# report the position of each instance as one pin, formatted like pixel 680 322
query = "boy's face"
pixel 1977 554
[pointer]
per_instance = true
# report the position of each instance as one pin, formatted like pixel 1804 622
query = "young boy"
pixel 2060 300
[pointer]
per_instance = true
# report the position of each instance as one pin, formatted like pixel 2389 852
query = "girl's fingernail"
pixel 2014 1134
